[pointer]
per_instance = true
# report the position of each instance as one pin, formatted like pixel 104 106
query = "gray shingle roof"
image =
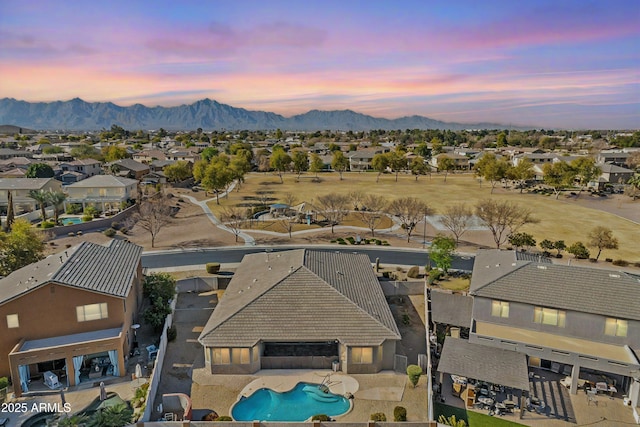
pixel 485 363
pixel 451 309
pixel 490 264
pixel 590 290
pixel 280 296
pixel 23 183
pixel 106 269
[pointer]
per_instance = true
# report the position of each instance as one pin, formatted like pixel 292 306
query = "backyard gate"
pixel 400 363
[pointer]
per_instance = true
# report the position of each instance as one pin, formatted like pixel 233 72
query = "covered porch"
pixel 299 355
pixel 63 361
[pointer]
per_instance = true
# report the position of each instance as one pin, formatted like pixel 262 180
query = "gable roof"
pixel 105 269
pixel 130 164
pixel 451 309
pixel 301 295
pixel 103 181
pixel 589 290
pixel 24 183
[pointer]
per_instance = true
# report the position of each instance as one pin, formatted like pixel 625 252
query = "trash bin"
pixel 335 366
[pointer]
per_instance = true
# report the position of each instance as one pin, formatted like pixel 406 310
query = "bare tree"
pixel 233 218
pixel 356 197
pixel 286 224
pixel 333 207
pixel 409 211
pixel 370 211
pixel 503 218
pixel 289 199
pixel 602 238
pixel 457 219
pixel 153 215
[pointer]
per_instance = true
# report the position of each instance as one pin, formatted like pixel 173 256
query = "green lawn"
pixel 473 419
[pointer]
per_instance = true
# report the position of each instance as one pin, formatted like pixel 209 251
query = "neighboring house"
pixel 70 177
pixel 158 165
pixel 564 318
pixel 188 156
pixel 612 174
pixel 8 153
pixel 618 158
pixel 361 160
pixel 148 156
pixel 85 167
pixel 461 162
pixel 104 191
pixel 14 173
pixel 127 168
pixel 20 188
pixel 301 309
pixel 153 178
pixel 536 158
pixel 70 314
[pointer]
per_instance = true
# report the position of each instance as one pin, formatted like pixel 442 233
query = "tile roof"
pixel 490 264
pixel 302 295
pixel 105 269
pixel 589 290
pixel 130 164
pixel 485 363
pixel 103 181
pixel 451 309
pixel 23 183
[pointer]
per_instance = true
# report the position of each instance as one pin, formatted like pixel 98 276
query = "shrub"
pixel 4 382
pixel 379 416
pixel 109 232
pixel 213 267
pixel 414 372
pixel 172 333
pixel 385 274
pixel 621 263
pixel 378 242
pixel 413 272
pixel 320 417
pixel 351 240
pixel 211 416
pixel 48 224
pixel 115 225
pixel 71 234
pixel 87 218
pixel 79 233
pixel 399 413
pixel 224 418
pixel 608 259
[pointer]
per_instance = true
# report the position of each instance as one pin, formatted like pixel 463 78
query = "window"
pixel 92 312
pixel 615 327
pixel 12 321
pixel 221 356
pixel 362 355
pixel 549 316
pixel 500 309
pixel 240 355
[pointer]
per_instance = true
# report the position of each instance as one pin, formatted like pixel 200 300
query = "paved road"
pixel 181 258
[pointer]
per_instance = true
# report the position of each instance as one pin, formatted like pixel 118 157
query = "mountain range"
pixel 79 115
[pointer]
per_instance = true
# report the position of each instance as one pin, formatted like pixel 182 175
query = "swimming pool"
pixel 71 220
pixel 298 404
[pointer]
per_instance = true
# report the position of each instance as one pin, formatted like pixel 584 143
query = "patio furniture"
pixel 51 380
pixel 486 402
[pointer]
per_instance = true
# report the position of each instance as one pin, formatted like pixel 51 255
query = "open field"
pixel 567 219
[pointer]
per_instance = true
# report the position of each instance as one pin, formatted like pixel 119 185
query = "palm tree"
pixel 112 416
pixel 40 196
pixel 56 199
pixel 10 213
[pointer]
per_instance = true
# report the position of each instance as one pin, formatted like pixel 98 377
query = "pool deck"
pixel 372 392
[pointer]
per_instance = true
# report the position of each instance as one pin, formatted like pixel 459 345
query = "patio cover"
pixel 451 309
pixel 66 340
pixel 481 362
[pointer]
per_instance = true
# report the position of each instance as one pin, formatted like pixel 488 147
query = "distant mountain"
pixel 207 114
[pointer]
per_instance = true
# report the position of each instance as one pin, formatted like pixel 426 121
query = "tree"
pixel 217 176
pixel 492 169
pixel 153 215
pixel 85 151
pixel 558 175
pixel 316 164
pixel 457 219
pixel 633 161
pixel 519 240
pixel 113 153
pixel 436 145
pixel 397 162
pixel 547 245
pixel 233 218
pixel 280 161
pixel 10 213
pixel 501 139
pixel 333 207
pixel 380 163
pixel 371 211
pixel 579 250
pixel 414 372
pixel 339 163
pixel 40 196
pixel 56 199
pixel 208 153
pixel 39 170
pixel 20 247
pixel 585 170
pixel 559 246
pixel 178 171
pixel 239 167
pixel 522 172
pixel 602 238
pixel 419 167
pixel 300 162
pixel 441 251
pixel 502 218
pixel 112 416
pixel 409 212
pixel 446 164
pixel 451 421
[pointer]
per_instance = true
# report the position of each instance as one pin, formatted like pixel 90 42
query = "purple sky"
pixel 568 64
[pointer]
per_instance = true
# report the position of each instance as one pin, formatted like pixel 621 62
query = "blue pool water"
pixel 71 220
pixel 299 404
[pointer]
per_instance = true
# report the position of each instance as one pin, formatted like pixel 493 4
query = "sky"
pixel 550 64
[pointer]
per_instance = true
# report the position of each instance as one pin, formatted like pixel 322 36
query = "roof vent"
pixel 255 280
pixel 269 268
pixel 616 276
pixel 497 265
pixel 513 264
pixel 542 267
